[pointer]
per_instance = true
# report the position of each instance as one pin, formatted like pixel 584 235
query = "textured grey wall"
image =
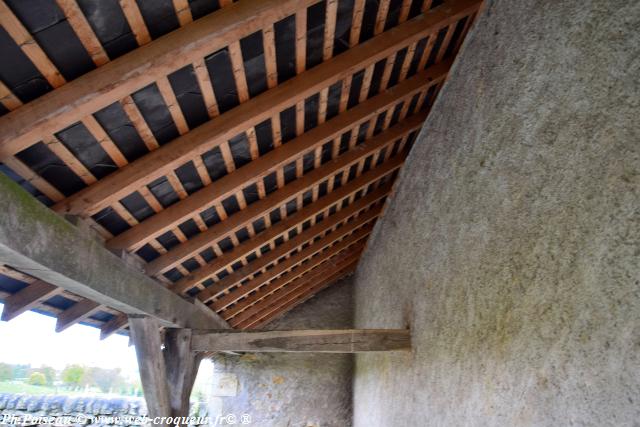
pixel 512 246
pixel 297 390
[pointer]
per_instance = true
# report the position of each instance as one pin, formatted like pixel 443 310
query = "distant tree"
pixel 6 372
pixel 49 373
pixel 105 379
pixel 37 378
pixel 21 371
pixel 73 376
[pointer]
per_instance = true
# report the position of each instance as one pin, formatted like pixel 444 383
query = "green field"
pixel 20 387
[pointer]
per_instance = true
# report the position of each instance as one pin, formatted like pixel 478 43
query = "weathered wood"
pixel 181 368
pixel 123 76
pixel 35 240
pixel 278 158
pixel 27 298
pixel 215 133
pixel 279 197
pixel 76 313
pixel 113 326
pixel 318 341
pixel 145 334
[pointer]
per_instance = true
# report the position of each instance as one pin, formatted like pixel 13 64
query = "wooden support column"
pixel 167 375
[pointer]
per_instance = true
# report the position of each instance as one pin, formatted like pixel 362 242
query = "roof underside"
pixel 245 168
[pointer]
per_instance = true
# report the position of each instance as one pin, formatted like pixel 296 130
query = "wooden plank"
pixel 332 244
pixel 114 325
pixel 269 46
pixel 275 291
pixel 272 161
pixel 145 334
pixel 171 101
pixel 8 99
pixel 29 47
pixel 217 132
pixel 381 17
pixel 76 313
pixel 66 257
pixel 105 141
pixel 318 230
pixel 317 341
pixel 329 28
pixel 136 21
pixel 27 298
pixel 356 22
pixel 135 70
pixel 280 197
pixel 237 63
pixel 83 30
pixel 281 228
pixel 183 11
pixel 301 40
pixel 33 178
pixel 206 88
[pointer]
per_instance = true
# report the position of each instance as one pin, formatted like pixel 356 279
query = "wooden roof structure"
pixel 239 152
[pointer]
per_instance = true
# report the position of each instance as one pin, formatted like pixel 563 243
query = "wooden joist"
pixel 123 76
pixel 28 298
pixel 75 314
pixel 114 325
pixel 215 133
pixel 256 304
pixel 226 186
pixel 317 231
pixel 318 341
pixel 330 245
pixel 280 197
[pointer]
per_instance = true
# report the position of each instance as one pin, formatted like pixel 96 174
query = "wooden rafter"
pixel 253 112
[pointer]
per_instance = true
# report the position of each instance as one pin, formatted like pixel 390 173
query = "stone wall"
pixel 289 389
pixel 512 245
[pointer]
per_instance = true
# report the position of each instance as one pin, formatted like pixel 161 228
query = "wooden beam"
pixel 330 270
pixel 145 334
pixel 217 132
pixel 280 197
pixel 30 48
pixel 282 227
pixel 114 325
pixel 181 366
pixel 288 302
pixel 318 230
pixel 36 241
pixel 83 30
pixel 316 341
pixel 333 244
pixel 137 69
pixel 27 298
pixel 276 159
pixel 76 313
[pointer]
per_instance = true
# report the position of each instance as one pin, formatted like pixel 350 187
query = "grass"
pixel 20 387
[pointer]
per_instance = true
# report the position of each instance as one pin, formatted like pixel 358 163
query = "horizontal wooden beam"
pixel 27 298
pixel 211 134
pixel 304 341
pixel 228 185
pixel 36 241
pixel 137 69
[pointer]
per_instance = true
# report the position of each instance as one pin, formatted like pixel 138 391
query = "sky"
pixel 31 339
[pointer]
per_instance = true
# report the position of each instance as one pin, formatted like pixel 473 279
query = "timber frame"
pixel 224 169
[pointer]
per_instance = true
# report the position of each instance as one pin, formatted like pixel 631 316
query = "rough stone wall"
pixel 512 245
pixel 294 390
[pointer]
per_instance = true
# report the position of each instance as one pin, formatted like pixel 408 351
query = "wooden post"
pixel 145 332
pixel 167 376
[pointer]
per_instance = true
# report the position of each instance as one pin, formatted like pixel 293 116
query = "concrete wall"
pixel 296 390
pixel 512 246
